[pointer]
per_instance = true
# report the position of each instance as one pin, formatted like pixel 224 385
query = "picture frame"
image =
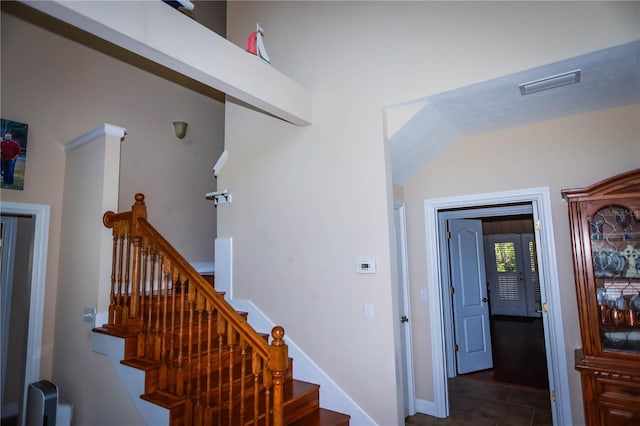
pixel 13 156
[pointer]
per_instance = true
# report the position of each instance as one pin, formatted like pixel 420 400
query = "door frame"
pixel 405 303
pixel 540 201
pixel 9 231
pixel 40 214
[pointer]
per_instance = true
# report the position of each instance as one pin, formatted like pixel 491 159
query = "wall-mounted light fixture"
pixel 550 82
pixel 180 128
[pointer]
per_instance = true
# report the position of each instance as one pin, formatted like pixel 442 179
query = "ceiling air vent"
pixel 550 82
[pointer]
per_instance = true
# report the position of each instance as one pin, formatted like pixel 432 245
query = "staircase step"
pixel 323 417
pixel 301 399
pixel 163 399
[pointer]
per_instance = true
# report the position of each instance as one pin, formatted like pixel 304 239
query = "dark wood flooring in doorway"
pixel 478 403
pixel 514 392
pixel 519 355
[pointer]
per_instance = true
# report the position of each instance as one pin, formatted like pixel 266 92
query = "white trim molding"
pixel 40 214
pixel 99 132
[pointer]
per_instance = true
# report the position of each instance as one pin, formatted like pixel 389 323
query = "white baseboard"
pixel 204 268
pixel 332 397
pixel 426 407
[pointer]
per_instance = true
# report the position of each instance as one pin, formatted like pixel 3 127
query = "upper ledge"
pixel 161 34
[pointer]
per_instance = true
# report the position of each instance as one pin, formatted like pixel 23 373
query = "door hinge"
pixel 448 235
pixel 545 308
pixel 455 347
pixel 553 396
pixel 452 290
pixel 538 224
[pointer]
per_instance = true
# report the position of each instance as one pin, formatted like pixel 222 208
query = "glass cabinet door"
pixel 615 243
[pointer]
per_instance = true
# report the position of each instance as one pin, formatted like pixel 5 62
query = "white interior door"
pixel 470 302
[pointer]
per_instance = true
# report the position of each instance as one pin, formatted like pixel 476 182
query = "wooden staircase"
pixel 202 361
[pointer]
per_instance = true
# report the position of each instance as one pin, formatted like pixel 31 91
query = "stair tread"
pixel 323 417
pixel 163 399
pixel 140 363
pixel 115 332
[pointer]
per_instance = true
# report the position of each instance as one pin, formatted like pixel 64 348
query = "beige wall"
pixel 308 201
pixel 63 89
pixel 565 153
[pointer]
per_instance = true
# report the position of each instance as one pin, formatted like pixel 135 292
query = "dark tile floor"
pixel 477 403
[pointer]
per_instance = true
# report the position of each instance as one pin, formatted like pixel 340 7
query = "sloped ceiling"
pixel 609 78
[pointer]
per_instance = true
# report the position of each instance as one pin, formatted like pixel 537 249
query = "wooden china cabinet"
pixel 605 236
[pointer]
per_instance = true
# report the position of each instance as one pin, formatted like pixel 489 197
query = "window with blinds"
pixel 507 271
pixel 512 274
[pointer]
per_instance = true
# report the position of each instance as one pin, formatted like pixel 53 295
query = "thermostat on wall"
pixel 366 266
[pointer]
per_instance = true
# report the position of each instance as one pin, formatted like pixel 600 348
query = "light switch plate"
pixel 368 310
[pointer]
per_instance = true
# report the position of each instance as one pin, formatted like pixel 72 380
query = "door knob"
pixel 404 319
pixel 485 300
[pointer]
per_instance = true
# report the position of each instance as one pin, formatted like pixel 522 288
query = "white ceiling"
pixel 609 78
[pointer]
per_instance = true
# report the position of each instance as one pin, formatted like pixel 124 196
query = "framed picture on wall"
pixel 14 153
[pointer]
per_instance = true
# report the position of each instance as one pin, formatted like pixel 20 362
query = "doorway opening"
pixel 513 312
pixel 32 234
pixel 535 202
pixel 515 304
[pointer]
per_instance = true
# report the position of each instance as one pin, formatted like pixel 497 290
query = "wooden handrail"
pixel 240 324
pixel 158 295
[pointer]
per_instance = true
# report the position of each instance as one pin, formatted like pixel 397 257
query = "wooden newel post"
pixel 138 210
pixel 278 364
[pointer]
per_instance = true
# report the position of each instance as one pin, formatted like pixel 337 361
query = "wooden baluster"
pixel 208 414
pixel 121 313
pixel 244 351
pixel 268 383
pixel 113 302
pixel 180 373
pixel 126 283
pixel 142 297
pixel 164 351
pixel 151 334
pixel 221 322
pixel 159 332
pixel 191 303
pixel 200 314
pixel 231 342
pixel 278 363
pixel 172 330
pixel 256 370
pixel 135 279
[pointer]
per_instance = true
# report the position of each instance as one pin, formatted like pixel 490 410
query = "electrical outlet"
pixel 89 315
